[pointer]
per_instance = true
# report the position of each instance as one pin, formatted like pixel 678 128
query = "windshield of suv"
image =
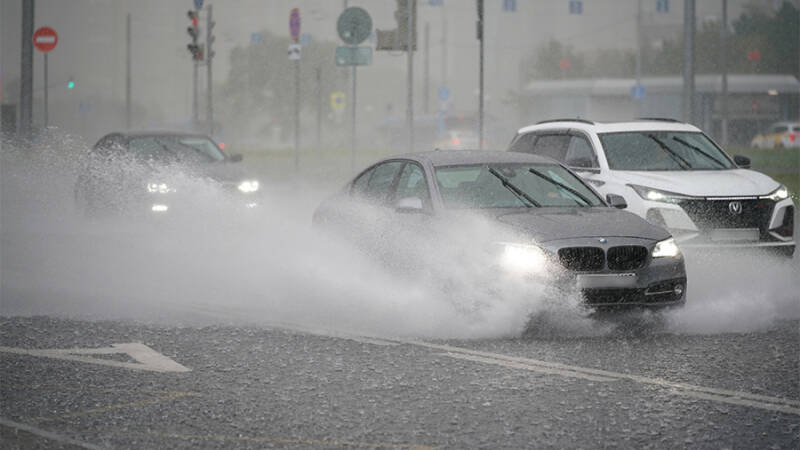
pixel 663 150
pixel 477 187
pixel 188 149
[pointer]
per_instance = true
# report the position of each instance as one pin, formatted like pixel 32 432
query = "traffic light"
pixel 194 32
pixel 397 39
pixel 70 83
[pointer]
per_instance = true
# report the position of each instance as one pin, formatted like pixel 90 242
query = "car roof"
pixel 146 133
pixel 612 127
pixel 439 158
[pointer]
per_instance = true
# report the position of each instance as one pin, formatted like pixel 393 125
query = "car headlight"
pixel 666 249
pixel 523 259
pixel 656 195
pixel 248 186
pixel 159 188
pixel 778 194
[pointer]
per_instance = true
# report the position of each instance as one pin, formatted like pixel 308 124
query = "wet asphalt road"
pixel 275 387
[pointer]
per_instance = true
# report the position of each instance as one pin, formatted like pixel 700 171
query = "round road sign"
pixel 294 23
pixel 45 39
pixel 354 25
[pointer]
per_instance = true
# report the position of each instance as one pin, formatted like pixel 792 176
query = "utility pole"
pixel 688 61
pixel 26 70
pixel 480 78
pixel 639 100
pixel 319 106
pixel 412 11
pixel 209 57
pixel 427 65
pixel 128 72
pixel 724 67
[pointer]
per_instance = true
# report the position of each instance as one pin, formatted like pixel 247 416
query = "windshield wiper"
pixel 698 150
pixel 562 186
pixel 522 196
pixel 681 162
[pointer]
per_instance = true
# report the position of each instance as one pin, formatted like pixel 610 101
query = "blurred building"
pixel 91 50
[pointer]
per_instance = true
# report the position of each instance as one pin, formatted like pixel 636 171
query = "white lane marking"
pixel 46 434
pixel 146 357
pixel 531 367
pixel 784 405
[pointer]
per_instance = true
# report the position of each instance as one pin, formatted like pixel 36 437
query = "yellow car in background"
pixel 779 135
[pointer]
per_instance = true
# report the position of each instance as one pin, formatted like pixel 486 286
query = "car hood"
pixel 549 224
pixel 702 183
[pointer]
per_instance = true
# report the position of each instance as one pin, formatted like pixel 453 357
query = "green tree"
pixel 259 91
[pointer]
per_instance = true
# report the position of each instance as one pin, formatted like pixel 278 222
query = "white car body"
pixel 737 198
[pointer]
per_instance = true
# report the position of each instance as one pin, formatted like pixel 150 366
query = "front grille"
pixel 710 214
pixel 582 259
pixel 627 257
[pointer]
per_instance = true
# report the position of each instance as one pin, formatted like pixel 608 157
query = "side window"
pixel 412 184
pixel 360 185
pixel 523 143
pixel 380 182
pixel 781 129
pixel 552 145
pixel 580 153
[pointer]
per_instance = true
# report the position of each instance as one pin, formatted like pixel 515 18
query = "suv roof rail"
pixel 661 119
pixel 566 120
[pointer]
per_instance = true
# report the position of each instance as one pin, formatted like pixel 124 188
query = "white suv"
pixel 673 175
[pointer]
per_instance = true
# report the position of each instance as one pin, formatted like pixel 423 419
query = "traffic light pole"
pixel 209 57
pixel 195 115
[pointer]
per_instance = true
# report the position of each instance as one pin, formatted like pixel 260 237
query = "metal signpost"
pixel 354 27
pixel 294 54
pixel 45 40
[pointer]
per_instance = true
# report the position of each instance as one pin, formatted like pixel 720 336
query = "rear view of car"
pixel 779 135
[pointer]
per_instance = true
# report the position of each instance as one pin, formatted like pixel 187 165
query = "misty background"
pixel 543 59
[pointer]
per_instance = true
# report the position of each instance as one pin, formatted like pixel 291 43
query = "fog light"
pixel 678 290
pixel 159 208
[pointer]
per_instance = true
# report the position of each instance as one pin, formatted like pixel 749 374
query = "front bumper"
pixel 732 222
pixel 654 283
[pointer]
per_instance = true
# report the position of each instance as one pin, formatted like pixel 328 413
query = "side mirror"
pixel 616 201
pixel 409 205
pixel 236 157
pixel 742 161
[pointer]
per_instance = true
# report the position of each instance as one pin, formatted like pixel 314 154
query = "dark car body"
pixel 604 251
pixel 138 173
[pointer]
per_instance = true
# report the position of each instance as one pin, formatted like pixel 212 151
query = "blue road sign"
pixel 510 5
pixel 444 93
pixel 638 92
pixel 255 38
pixel 198 4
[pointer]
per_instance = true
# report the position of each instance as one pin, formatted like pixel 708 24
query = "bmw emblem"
pixel 735 208
pixel 602 240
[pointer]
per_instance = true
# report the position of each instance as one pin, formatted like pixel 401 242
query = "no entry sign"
pixel 45 39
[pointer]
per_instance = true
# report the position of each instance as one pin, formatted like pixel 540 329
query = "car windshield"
pixel 663 150
pixel 190 149
pixel 484 186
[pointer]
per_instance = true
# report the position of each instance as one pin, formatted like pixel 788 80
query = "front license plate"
pixel 735 234
pixel 603 281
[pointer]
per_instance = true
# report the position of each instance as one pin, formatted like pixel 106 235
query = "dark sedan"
pixel 549 223
pixel 148 173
